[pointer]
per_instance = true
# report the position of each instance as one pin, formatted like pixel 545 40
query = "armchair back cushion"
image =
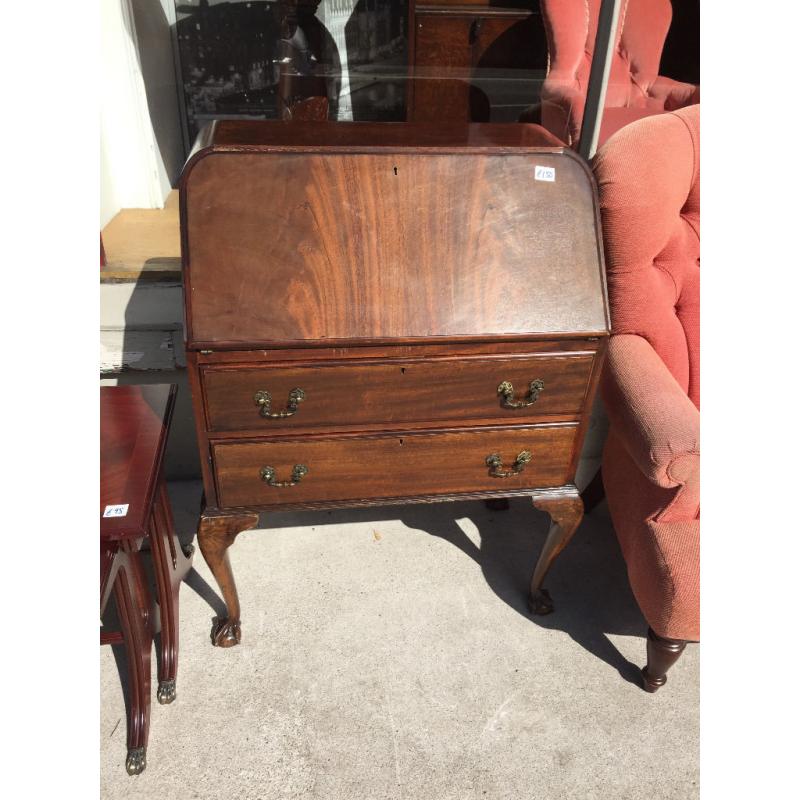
pixel 649 184
pixel 634 87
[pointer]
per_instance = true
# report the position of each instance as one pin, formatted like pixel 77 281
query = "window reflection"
pixel 432 60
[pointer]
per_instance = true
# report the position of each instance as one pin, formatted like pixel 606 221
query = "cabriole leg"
pixel 215 534
pixel 566 513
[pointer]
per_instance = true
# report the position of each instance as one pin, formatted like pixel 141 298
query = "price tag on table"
pixel 116 511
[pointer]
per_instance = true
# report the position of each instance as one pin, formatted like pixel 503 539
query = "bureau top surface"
pixel 308 233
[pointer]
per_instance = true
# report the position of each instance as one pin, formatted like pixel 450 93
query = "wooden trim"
pixel 201 426
pixel 475 11
pixel 567 490
pixel 544 347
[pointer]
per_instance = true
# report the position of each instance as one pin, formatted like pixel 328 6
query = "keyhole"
pixel 402 370
pixel 401 442
pixel 395 170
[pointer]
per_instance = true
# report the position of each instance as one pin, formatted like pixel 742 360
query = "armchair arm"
pixel 674 94
pixel 562 109
pixel 653 417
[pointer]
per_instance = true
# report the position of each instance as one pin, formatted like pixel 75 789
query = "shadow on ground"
pixel 588 581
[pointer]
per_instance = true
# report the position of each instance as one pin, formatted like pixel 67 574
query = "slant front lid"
pixel 318 242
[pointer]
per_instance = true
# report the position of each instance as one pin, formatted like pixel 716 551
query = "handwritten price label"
pixel 545 174
pixel 116 511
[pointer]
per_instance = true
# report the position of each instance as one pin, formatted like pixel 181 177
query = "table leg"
pixel 215 534
pixel 566 513
pixel 133 606
pixel 170 565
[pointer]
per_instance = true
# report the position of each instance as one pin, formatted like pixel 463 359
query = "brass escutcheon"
pixel 298 471
pixel 495 464
pixel 263 399
pixel 506 391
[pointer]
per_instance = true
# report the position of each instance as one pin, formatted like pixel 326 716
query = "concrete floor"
pixel 387 653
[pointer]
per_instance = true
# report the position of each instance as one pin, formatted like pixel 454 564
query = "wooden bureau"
pixel 388 313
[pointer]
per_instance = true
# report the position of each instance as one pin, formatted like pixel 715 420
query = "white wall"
pixel 140 136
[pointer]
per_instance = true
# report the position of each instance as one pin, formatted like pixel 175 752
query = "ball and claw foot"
pixel 136 761
pixel 540 603
pixel 166 692
pixel 226 633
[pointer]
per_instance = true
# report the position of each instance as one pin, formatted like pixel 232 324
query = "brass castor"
pixel 540 603
pixel 136 760
pixel 166 692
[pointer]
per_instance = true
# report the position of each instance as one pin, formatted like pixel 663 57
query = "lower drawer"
pixel 392 465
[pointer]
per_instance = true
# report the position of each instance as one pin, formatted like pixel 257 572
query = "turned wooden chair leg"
pixel 215 534
pixel 661 655
pixel 566 513
pixel 170 565
pixel 133 603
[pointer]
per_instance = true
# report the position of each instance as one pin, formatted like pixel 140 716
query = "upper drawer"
pixel 395 393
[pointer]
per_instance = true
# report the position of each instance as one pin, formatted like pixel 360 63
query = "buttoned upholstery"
pixel 648 178
pixel 635 89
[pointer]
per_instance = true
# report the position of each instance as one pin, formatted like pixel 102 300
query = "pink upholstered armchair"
pixel 648 176
pixel 635 89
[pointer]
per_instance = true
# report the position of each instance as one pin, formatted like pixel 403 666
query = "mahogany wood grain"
pixel 170 565
pixel 201 426
pixel 394 393
pixel 109 565
pixel 566 513
pixel 133 604
pixel 453 43
pixel 368 353
pixel 391 465
pixel 134 421
pixel 441 44
pixel 134 425
pixel 382 247
pixel 255 136
pixel 215 534
pixel 397 273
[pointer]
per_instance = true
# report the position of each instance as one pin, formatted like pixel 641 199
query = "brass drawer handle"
pixel 298 471
pixel 495 464
pixel 506 391
pixel 263 399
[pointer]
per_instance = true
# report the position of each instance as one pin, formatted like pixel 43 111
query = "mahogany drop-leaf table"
pixel 134 508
